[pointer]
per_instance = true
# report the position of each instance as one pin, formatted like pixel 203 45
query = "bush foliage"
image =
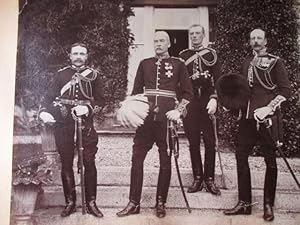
pixel 48 28
pixel 235 20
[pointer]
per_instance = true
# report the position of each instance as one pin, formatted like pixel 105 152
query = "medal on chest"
pixel 168 69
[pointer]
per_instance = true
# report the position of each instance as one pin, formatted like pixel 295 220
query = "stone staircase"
pixel 113 166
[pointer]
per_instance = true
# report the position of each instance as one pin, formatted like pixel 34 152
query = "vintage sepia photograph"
pixel 157 112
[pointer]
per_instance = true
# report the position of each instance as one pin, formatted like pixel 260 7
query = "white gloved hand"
pixel 261 113
pixel 47 117
pixel 173 115
pixel 80 110
pixel 212 106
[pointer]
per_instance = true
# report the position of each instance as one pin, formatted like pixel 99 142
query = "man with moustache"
pixel 157 77
pixel 76 91
pixel 204 70
pixel 269 85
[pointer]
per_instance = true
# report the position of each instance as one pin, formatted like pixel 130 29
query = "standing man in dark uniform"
pixel 204 69
pixel 157 77
pixel 76 91
pixel 268 80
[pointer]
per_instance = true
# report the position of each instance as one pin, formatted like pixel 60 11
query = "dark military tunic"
pixel 205 62
pixel 82 85
pixel 204 69
pixel 267 77
pixel 73 87
pixel 158 79
pixel 165 75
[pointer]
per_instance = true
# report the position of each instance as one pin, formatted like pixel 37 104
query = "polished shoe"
pixel 241 208
pixel 130 209
pixel 211 187
pixel 160 209
pixel 92 209
pixel 196 186
pixel 69 209
pixel 268 213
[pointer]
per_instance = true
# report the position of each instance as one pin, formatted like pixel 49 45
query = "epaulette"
pixel 184 50
pixel 92 69
pixel 95 72
pixel 62 69
pixel 180 59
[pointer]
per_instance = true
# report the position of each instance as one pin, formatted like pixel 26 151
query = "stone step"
pixel 117 197
pixel 120 176
pixel 174 217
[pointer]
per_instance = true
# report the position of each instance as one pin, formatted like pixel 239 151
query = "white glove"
pixel 173 115
pixel 80 110
pixel 261 113
pixel 47 117
pixel 212 106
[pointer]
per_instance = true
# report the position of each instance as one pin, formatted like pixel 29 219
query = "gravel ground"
pixel 115 150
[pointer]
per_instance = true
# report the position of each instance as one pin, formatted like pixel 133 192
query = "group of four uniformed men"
pixel 78 91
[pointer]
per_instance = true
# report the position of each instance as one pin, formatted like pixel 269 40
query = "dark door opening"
pixel 179 41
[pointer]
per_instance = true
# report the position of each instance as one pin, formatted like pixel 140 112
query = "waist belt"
pixel 159 92
pixel 74 102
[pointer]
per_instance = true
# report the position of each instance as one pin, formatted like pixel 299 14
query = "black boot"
pixel 130 209
pixel 196 186
pixel 269 192
pixel 211 187
pixel 69 192
pixel 268 212
pixel 93 209
pixel 241 208
pixel 160 208
pixel 197 169
pixel 69 209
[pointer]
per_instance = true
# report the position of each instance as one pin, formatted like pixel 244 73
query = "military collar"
pixel 197 48
pixel 78 69
pixel 261 53
pixel 164 56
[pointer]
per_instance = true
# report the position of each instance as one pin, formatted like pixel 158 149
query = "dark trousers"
pixel 146 135
pixel 247 138
pixel 197 121
pixel 64 137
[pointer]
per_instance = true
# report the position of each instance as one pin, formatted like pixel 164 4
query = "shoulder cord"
pixel 209 63
pixel 88 84
pixel 271 86
pixel 267 73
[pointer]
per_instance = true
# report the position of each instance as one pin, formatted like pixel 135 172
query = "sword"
pixel 173 146
pixel 214 121
pixel 80 162
pixel 278 144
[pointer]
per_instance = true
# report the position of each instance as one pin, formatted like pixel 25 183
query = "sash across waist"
pixel 74 102
pixel 159 92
